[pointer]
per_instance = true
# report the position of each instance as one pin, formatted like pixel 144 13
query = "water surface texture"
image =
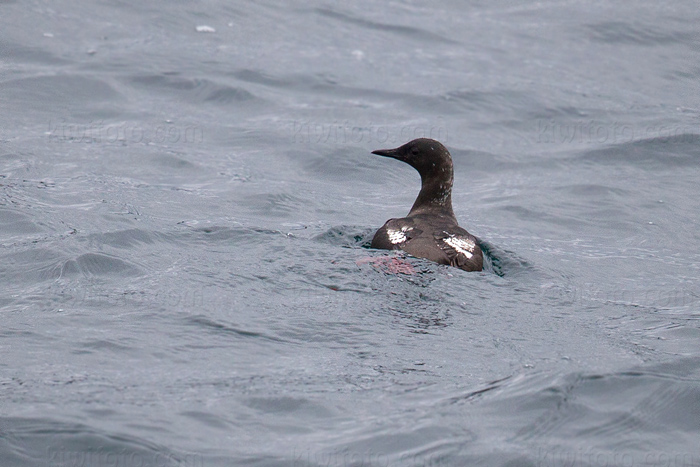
pixel 187 194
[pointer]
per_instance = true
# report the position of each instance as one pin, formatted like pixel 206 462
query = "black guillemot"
pixel 430 230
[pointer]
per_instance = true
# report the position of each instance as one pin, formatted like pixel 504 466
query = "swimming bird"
pixel 430 230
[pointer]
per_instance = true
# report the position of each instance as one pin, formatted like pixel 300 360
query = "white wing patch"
pixel 398 236
pixel 461 245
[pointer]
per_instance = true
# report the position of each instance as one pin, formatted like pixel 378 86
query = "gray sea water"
pixel 187 194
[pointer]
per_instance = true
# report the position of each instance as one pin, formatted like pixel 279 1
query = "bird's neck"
pixel 435 195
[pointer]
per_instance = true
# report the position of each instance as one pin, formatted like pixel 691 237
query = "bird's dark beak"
pixel 393 153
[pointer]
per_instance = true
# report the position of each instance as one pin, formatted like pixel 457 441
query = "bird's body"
pixel 430 230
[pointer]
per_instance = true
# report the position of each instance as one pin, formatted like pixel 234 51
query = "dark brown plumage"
pixel 430 230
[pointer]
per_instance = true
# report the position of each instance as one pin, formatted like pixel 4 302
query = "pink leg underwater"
pixel 389 265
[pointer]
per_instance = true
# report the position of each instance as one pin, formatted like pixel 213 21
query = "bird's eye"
pixel 414 150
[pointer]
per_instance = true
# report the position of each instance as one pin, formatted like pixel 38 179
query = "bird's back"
pixel 434 238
